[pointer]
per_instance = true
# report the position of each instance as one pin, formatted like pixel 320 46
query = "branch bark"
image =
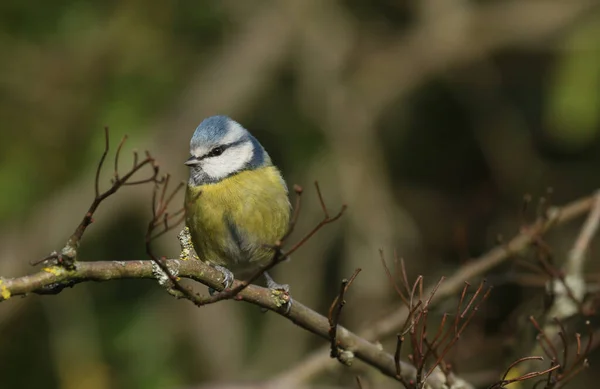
pixel 53 279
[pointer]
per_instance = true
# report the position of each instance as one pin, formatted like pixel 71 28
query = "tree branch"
pixel 568 288
pixel 319 360
pixel 53 279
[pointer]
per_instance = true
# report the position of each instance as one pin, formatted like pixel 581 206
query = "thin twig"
pixel 563 338
pixel 101 162
pixel 391 279
pixel 296 214
pixel 359 383
pixel 524 377
pixel 335 311
pixel 403 272
pixel 464 325
pixel 319 359
pixel 68 254
pixel 117 154
pixel 160 218
pixel 544 339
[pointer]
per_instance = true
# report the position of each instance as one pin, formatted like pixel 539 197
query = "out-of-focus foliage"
pixel 573 118
pixel 71 68
pixel 433 158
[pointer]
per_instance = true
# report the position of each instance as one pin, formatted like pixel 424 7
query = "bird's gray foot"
pixel 227 279
pixel 280 292
pixel 271 284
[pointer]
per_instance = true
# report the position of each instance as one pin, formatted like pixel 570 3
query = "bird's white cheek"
pixel 231 161
pixel 217 169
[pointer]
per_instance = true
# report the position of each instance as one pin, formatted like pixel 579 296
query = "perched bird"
pixel 236 203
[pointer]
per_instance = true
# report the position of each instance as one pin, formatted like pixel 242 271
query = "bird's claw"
pixel 227 279
pixel 280 292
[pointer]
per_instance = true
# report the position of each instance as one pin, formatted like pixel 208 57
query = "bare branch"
pixel 336 310
pixel 319 360
pixel 326 220
pixel 589 229
pixel 298 190
pixel 393 281
pixel 68 254
pixel 160 220
pixel 54 279
pixel 101 162
pixel 502 384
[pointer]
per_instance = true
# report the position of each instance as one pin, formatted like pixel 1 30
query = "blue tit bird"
pixel 236 201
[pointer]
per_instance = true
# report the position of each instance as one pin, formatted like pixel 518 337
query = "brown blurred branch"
pixel 459 36
pixel 53 279
pixel 577 257
pixel 319 360
pixel 569 288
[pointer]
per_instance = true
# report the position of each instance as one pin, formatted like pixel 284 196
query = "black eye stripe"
pixel 215 151
pixel 218 150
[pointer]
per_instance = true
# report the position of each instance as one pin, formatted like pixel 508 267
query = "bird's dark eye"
pixel 216 151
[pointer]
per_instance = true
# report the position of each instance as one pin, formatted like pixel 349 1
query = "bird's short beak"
pixel 192 161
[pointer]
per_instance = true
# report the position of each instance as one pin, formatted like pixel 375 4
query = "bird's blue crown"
pixel 211 130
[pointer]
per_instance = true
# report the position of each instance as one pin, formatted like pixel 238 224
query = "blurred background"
pixel 431 119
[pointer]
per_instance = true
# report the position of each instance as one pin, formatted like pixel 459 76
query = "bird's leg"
pixel 281 292
pixel 271 284
pixel 227 278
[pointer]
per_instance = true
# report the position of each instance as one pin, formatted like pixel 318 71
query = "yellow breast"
pixel 232 221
